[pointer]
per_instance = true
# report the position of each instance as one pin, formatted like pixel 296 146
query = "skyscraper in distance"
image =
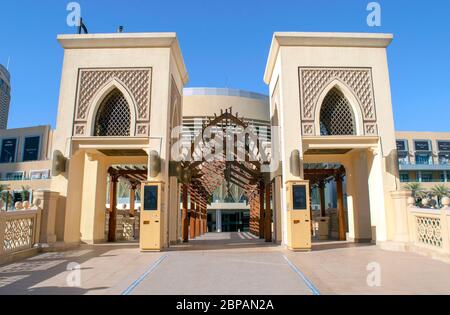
pixel 5 96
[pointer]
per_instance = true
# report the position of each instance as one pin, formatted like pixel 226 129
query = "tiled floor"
pixel 228 263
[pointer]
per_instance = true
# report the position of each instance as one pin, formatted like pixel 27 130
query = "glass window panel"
pixel 422 145
pixel 31 149
pixel 444 145
pixel 444 158
pixel 404 177
pixel 423 158
pixel 403 157
pixel 401 145
pixel 14 176
pixel 8 152
pixel 427 177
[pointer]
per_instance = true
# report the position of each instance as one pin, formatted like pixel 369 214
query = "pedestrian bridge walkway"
pixel 225 264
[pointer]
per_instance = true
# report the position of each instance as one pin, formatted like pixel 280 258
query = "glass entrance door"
pixel 235 221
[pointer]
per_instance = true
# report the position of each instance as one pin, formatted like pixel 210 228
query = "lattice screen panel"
pixel 429 231
pixel 336 116
pixel 18 234
pixel 113 118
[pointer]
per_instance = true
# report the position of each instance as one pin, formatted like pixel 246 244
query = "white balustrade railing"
pixel 19 230
pixel 430 228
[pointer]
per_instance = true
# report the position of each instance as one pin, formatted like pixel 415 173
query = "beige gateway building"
pixel 316 159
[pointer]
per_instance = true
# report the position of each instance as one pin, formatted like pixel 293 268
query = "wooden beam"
pixel 261 210
pixel 322 199
pixel 113 208
pixel 197 219
pixel 185 216
pixel 192 217
pixel 268 214
pixel 341 210
pixel 133 199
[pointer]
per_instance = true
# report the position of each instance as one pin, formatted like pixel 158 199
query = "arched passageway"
pixel 328 206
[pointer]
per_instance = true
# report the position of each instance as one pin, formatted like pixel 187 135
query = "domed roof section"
pixel 205 102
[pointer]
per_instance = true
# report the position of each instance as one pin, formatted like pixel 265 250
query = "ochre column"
pixel 200 218
pixel 341 210
pixel 268 215
pixel 206 218
pixel 185 220
pixel 197 219
pixel 261 210
pixel 254 216
pixel 133 199
pixel 203 219
pixel 192 218
pixel 113 208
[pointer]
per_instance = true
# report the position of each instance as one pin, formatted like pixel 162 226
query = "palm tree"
pixel 440 191
pixel 25 193
pixel 416 189
pixel 5 195
pixel 7 199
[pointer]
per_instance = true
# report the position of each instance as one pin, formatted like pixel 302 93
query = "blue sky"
pixel 225 44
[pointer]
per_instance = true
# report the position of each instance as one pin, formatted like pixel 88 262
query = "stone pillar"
pixel 400 200
pixel 340 208
pixel 94 190
pixel 73 202
pixel 445 219
pixel 277 210
pixel 133 198
pixel 174 210
pixel 47 201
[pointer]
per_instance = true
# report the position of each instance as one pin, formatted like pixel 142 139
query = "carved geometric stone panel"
pixel 313 81
pixel 137 81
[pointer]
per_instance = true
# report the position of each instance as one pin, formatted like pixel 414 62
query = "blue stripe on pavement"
pixel 308 283
pixel 145 275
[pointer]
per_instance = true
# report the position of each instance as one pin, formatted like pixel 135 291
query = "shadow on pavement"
pixel 20 277
pixel 324 246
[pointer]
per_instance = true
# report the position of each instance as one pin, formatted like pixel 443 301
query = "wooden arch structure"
pixel 235 156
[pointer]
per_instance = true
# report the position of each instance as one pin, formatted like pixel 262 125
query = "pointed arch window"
pixel 113 117
pixel 336 115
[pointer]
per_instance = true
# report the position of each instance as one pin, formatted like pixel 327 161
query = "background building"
pixel 25 158
pixel 229 211
pixel 5 96
pixel 424 158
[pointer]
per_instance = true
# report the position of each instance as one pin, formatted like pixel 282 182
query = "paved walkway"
pixel 223 264
pixel 230 264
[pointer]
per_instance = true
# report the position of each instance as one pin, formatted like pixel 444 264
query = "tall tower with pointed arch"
pixel 119 101
pixel 330 95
